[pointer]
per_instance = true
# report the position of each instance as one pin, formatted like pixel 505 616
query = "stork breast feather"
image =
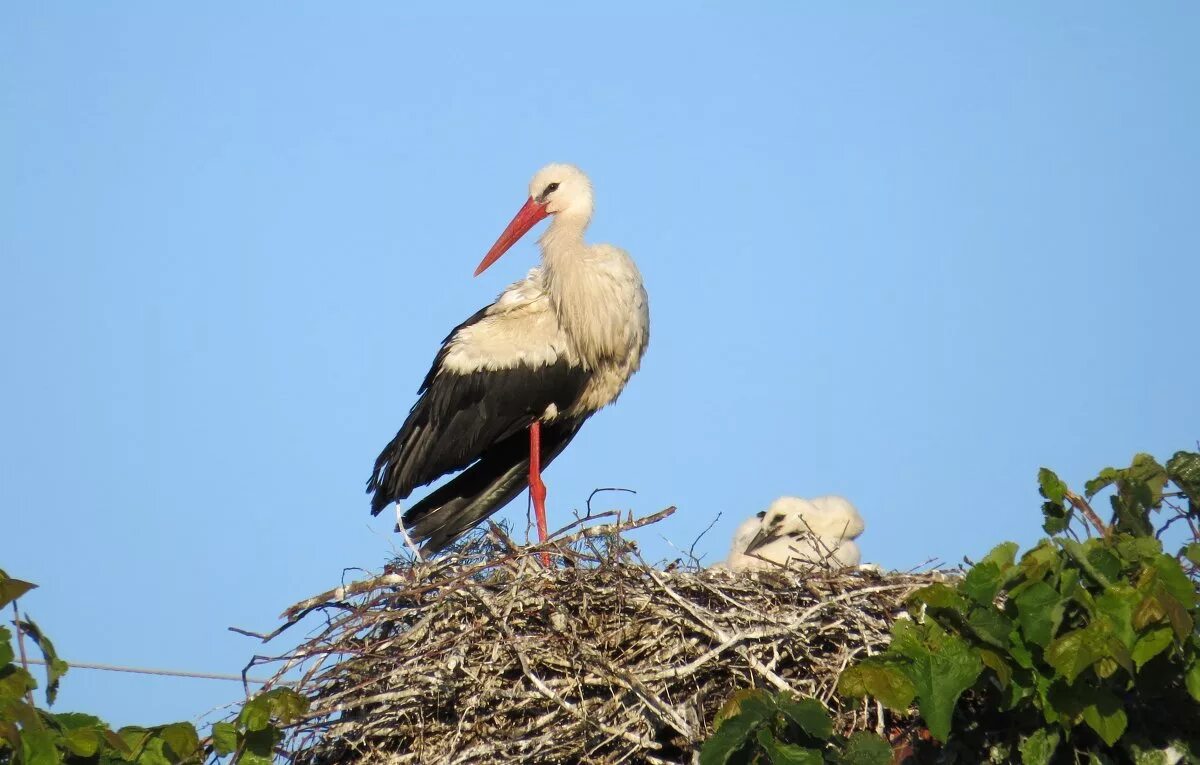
pixel 506 340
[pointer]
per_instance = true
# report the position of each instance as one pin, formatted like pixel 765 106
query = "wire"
pixel 163 672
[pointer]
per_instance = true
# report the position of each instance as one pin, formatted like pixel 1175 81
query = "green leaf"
pixel 997 664
pixel 153 753
pixel 1054 509
pixel 6 651
pixel 758 704
pixel 11 589
pixel 1169 594
pixel 39 747
pixel 82 734
pixel 286 704
pixel 77 720
pixel 940 596
pixel 1075 651
pixel 1137 549
pixel 884 682
pixel 1019 650
pixel 809 714
pixel 729 739
pixel 1131 516
pixel 260 746
pixel 15 682
pixel 1151 644
pixel 1039 612
pixel 1192 552
pixel 1038 747
pixel 1108 476
pixel 1145 474
pixel 117 743
pixel 1067 701
pixel 990 625
pixel 1106 716
pixel 864 748
pixel 1056 519
pixel 787 754
pixel 982 583
pixel 1184 470
pixel 1051 486
pixel 224 737
pixel 1079 554
pixel 256 714
pixel 1039 561
pixel 1174 579
pixel 84 742
pixel 908 637
pixel 55 667
pixel 1114 611
pixel 941 672
pixel 1103 560
pixel 1192 679
pixel 134 739
pixel 182 739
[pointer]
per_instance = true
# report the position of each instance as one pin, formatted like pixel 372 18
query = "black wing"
pixel 458 417
pixel 491 483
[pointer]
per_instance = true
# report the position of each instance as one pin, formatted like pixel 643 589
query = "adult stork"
pixel 555 347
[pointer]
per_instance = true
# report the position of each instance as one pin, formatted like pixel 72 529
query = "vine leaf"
pixel 55 667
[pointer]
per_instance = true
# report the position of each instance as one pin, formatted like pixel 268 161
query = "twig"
pixel 21 646
pixel 1081 504
pixel 588 504
pixel 692 548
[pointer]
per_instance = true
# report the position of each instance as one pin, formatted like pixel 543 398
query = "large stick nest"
pixel 485 655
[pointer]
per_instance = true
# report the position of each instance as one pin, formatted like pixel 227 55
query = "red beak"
pixel 526 218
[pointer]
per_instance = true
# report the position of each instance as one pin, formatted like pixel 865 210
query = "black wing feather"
pixel 458 417
pixel 501 473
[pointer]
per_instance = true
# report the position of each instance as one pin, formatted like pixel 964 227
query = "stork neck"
pixel 564 237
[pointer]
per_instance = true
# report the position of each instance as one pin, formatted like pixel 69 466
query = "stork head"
pixel 557 189
pixel 562 189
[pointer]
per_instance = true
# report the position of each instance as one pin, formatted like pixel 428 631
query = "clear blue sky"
pixel 907 254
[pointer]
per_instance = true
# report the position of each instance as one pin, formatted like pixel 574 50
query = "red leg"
pixel 537 489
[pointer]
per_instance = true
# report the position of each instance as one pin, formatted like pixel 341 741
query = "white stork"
pixel 555 347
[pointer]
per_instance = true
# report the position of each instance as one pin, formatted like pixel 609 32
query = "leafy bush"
pixel 1084 649
pixel 755 726
pixel 30 735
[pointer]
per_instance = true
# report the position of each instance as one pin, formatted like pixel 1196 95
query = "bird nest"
pixel 486 655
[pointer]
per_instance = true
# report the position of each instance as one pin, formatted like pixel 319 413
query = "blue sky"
pixel 907 254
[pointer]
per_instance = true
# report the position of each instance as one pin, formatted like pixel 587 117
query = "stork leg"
pixel 537 489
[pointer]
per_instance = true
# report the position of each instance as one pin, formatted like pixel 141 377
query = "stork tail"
pixel 486 486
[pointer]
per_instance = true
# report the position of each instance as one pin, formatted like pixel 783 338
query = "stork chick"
pixel 793 529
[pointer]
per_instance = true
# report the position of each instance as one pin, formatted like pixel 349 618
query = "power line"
pixel 162 672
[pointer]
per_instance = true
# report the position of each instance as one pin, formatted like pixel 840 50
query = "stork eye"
pixel 762 514
pixel 551 188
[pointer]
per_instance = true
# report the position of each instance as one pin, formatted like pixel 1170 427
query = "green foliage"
pixel 1084 649
pixel 30 735
pixel 759 727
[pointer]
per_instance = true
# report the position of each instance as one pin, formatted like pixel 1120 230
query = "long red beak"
pixel 526 218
